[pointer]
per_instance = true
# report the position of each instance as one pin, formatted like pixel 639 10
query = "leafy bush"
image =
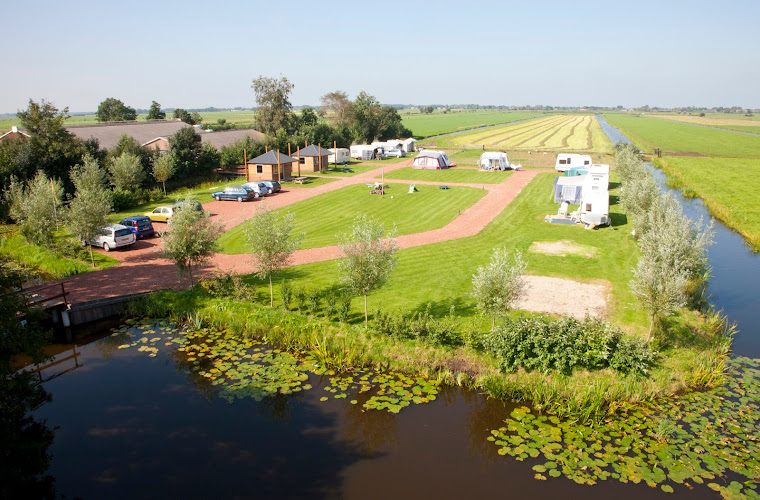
pixel 419 326
pixel 330 305
pixel 312 300
pixel 344 306
pixel 541 343
pixel 286 295
pixel 299 296
pixel 226 285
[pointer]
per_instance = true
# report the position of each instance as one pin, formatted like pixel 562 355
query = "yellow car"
pixel 160 214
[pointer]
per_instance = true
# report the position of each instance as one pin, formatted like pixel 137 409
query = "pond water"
pixel 735 283
pixel 135 425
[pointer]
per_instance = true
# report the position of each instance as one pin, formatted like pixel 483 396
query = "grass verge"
pixel 464 175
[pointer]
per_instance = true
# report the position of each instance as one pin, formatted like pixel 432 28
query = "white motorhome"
pixel 339 156
pixel 566 161
pixel 494 161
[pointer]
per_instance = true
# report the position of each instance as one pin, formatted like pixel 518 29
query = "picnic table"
pixel 301 180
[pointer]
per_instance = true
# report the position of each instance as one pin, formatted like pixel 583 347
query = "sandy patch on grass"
pixel 564 296
pixel 563 248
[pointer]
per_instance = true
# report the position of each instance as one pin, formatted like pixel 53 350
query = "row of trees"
pixel 363 119
pixel 673 269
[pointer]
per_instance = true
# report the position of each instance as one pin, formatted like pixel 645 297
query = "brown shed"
pixel 310 158
pixel 264 167
pixel 14 133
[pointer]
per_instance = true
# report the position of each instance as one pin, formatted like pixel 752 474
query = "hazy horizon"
pixel 196 55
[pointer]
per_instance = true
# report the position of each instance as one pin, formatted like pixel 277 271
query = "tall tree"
pixel 186 147
pixel 339 108
pixel 271 242
pixel 365 122
pixel 92 202
pixel 126 172
pixel 369 258
pixel 660 287
pixel 164 167
pixel 36 207
pixel 155 113
pixel 273 99
pixel 50 147
pixel 113 110
pixel 499 284
pixel 192 240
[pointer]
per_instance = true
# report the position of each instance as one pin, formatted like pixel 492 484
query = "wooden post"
pixel 266 149
pixel 335 148
pixel 279 178
pixel 288 149
pixel 245 164
pixel 299 163
pixel 320 156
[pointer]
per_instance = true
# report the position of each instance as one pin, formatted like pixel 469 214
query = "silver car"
pixel 114 236
pixel 259 188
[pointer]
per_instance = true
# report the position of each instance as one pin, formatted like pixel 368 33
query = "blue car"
pixel 140 226
pixel 235 193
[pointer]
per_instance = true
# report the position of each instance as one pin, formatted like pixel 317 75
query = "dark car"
pixel 140 225
pixel 273 186
pixel 238 193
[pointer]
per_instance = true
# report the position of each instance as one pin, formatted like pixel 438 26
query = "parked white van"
pixel 566 161
pixel 113 236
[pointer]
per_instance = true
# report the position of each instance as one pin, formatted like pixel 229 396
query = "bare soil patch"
pixel 563 248
pixel 564 297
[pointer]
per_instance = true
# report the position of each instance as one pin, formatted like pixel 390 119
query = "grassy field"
pixel 356 168
pixel 441 274
pixel 720 120
pixel 314 182
pixel 670 136
pixel 438 123
pixel 324 218
pixel 723 184
pixel 449 175
pixel 550 133
pixel 241 119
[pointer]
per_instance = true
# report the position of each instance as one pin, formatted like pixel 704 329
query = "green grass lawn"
pixel 314 182
pixel 438 123
pixel 49 264
pixel 441 274
pixel 727 185
pixel 356 168
pixel 324 218
pixel 745 128
pixel 650 133
pixel 449 175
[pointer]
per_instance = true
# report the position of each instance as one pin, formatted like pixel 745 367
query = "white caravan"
pixel 494 161
pixel 339 156
pixel 566 161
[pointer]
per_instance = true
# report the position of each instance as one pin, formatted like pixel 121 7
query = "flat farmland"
pixel 675 137
pixel 725 186
pixel 423 125
pixel 740 123
pixel 549 133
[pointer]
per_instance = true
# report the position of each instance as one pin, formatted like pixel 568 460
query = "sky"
pixel 192 54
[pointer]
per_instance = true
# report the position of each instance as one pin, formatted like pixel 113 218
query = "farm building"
pixel 153 134
pixel 272 165
pixel 14 133
pixel 311 159
pixel 432 160
pixel 224 138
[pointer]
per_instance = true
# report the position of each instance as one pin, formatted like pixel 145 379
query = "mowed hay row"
pixel 558 139
pixel 496 134
pixel 530 136
pixel 580 139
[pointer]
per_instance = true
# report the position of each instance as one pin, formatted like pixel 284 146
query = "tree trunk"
pixel 651 328
pixel 366 320
pixel 92 257
pixel 271 292
pixel 493 323
pixel 190 272
pixel 164 183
